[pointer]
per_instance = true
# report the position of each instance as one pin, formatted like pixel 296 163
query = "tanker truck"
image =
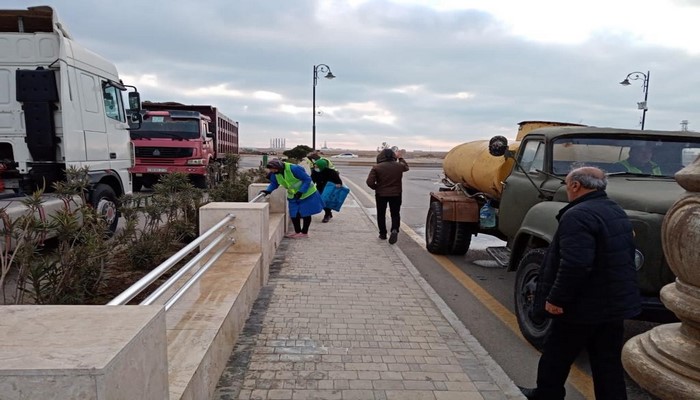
pixel 514 191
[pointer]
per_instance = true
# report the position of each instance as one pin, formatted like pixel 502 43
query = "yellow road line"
pixel 577 377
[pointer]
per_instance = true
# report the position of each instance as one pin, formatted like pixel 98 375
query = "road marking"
pixel 578 378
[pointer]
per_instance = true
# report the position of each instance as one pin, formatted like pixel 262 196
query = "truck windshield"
pixel 166 127
pixel 647 156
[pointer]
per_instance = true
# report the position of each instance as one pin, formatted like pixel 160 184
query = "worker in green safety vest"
pixel 303 199
pixel 639 161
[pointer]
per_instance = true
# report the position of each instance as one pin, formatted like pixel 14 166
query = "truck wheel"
pixel 214 174
pixel 438 233
pixel 535 331
pixel 462 238
pixel 105 202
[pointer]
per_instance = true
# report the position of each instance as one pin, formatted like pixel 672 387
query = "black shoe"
pixel 392 238
pixel 530 394
pixel 382 236
pixel 326 218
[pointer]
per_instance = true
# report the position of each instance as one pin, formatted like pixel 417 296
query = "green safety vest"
pixel 655 170
pixel 292 183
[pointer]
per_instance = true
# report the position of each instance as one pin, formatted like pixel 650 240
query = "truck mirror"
pixel 135 121
pixel 134 101
pixel 498 145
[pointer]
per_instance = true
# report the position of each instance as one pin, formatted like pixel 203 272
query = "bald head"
pixel 584 180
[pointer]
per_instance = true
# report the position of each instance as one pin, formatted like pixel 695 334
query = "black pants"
pixel 604 344
pixel 394 203
pixel 296 221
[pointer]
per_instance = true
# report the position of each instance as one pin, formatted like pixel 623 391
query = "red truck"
pixel 175 137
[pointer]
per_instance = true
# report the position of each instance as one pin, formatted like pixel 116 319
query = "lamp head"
pixel 626 82
pixel 329 75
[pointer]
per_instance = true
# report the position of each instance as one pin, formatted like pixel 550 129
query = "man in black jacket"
pixel 385 179
pixel 588 285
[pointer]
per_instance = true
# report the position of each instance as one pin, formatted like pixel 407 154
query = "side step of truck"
pixel 500 254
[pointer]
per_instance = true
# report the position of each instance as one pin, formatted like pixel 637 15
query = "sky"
pixel 417 74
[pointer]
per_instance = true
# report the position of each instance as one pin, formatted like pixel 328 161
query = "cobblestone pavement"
pixel 346 316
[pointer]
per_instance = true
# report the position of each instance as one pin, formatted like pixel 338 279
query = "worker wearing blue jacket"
pixel 302 196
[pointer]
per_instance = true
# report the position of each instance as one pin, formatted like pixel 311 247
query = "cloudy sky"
pixel 418 74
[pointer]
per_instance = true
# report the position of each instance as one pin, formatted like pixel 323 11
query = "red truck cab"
pixel 190 138
pixel 172 141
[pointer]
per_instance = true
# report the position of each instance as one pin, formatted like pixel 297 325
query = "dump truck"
pixel 191 139
pixel 61 106
pixel 513 191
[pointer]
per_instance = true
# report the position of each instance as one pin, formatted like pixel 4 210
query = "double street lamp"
pixel 645 88
pixel 325 69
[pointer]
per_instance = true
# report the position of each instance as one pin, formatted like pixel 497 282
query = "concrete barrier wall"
pixel 83 352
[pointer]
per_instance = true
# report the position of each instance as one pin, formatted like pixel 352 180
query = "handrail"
pixel 194 278
pixel 258 197
pixel 157 272
pixel 182 271
pixel 133 290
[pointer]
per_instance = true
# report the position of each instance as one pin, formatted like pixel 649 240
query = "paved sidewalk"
pixel 347 316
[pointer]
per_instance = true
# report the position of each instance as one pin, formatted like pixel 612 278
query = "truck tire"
pixel 438 233
pixel 534 331
pixel 462 238
pixel 214 177
pixel 105 202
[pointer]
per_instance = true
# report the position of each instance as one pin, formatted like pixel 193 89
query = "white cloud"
pixel 147 80
pixel 292 109
pixel 408 89
pixel 265 95
pixel 217 90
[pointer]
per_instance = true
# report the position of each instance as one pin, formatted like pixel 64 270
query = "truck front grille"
pixel 163 152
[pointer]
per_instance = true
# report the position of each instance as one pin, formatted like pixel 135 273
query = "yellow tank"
pixel 471 164
pixel 525 127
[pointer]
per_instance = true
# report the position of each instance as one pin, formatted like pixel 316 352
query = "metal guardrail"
pixel 157 272
pixel 151 277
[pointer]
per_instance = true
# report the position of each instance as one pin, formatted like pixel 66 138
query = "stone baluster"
pixel 666 360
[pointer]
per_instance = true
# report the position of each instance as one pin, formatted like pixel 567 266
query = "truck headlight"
pixel 638 260
pixel 196 161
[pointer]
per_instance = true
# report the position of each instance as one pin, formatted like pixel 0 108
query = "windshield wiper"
pixel 638 174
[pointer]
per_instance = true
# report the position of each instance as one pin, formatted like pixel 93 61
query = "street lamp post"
pixel 645 88
pixel 329 75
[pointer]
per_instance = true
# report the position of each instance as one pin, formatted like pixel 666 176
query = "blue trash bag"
pixel 334 197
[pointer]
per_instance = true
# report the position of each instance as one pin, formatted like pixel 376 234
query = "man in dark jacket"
pixel 385 179
pixel 588 285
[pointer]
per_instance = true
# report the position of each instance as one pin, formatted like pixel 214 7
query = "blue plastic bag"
pixel 334 197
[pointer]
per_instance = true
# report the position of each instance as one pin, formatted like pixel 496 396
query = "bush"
pixel 71 271
pixel 235 186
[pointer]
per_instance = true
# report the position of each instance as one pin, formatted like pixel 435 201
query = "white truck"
pixel 61 106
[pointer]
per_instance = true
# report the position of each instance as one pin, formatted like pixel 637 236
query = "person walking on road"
pixel 302 196
pixel 385 179
pixel 588 286
pixel 321 175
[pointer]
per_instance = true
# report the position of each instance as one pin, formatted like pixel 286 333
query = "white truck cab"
pixel 61 105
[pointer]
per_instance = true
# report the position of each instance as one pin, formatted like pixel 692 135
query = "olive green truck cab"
pixel 533 191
